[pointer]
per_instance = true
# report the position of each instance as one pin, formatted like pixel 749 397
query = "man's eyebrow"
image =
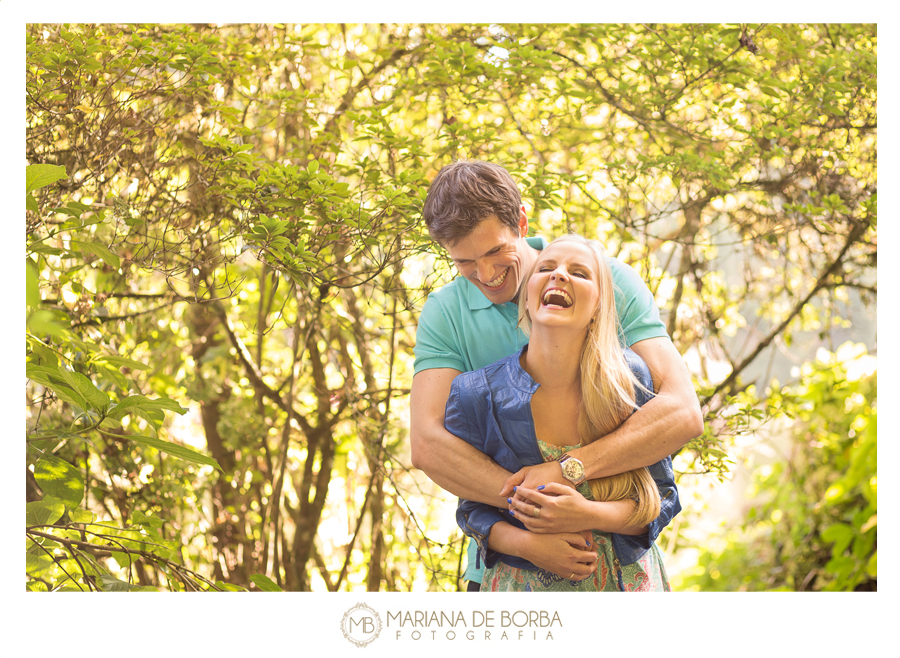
pixel 489 252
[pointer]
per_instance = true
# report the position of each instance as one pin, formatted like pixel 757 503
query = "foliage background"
pixel 234 237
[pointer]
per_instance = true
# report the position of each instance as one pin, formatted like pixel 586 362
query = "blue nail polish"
pixel 509 500
pixel 515 488
pixel 511 513
pixel 540 487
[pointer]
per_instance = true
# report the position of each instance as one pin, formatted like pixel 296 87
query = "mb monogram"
pixel 361 624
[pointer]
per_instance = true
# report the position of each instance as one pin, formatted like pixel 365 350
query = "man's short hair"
pixel 465 193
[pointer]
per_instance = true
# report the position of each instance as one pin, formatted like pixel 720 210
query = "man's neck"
pixel 527 264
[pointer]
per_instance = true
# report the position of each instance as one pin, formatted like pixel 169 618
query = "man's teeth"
pixel 496 283
pixel 557 298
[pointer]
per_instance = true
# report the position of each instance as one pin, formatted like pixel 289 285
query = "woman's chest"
pixel 555 418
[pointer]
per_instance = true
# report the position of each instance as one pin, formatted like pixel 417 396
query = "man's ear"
pixel 523 222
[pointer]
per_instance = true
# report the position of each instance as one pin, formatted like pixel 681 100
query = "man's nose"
pixel 485 272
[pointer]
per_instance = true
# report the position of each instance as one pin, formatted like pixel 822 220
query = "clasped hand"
pixel 561 508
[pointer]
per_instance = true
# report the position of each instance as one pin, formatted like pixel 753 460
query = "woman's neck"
pixel 553 358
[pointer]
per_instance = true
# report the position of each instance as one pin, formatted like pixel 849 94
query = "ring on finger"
pixel 572 577
pixel 536 512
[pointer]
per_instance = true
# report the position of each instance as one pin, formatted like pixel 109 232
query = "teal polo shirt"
pixel 462 329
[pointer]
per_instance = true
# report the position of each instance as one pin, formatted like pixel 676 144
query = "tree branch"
pixel 855 234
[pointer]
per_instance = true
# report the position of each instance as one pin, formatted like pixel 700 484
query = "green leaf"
pixel 840 534
pixel 141 519
pixel 40 353
pixel 44 512
pixel 110 583
pixel 37 564
pixel 123 559
pixel 182 452
pixel 121 362
pixel 58 478
pixel 872 566
pixel 264 583
pixel 32 292
pixel 139 403
pixel 98 250
pixel 81 516
pixel 42 175
pixel 44 322
pixel 228 587
pixel 94 397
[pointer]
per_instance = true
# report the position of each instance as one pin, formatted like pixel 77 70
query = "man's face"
pixel 494 257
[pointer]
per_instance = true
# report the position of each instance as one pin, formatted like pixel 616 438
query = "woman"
pixel 589 385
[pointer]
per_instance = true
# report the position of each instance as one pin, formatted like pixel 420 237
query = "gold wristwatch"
pixel 572 469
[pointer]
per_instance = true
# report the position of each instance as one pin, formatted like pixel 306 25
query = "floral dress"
pixel 646 575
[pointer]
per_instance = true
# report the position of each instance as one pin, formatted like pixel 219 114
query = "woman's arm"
pixel 569 555
pixel 562 506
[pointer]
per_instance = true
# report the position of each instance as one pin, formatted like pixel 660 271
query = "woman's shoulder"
pixel 641 372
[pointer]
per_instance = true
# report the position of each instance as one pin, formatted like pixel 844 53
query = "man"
pixel 474 210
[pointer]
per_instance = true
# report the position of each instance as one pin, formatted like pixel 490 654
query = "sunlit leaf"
pixel 58 478
pixel 98 250
pixel 264 583
pixel 94 397
pixel 44 512
pixel 121 362
pixel 176 450
pixel 32 293
pixel 37 564
pixel 42 175
pixel 110 583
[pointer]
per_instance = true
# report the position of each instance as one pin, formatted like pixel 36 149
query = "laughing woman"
pixel 572 381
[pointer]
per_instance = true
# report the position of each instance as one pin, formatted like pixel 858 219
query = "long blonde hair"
pixel 607 390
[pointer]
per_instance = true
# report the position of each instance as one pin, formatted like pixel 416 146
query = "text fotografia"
pixel 486 625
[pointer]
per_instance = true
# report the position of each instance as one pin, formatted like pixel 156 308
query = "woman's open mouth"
pixel 556 298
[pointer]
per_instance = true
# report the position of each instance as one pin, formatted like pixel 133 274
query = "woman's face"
pixel 564 289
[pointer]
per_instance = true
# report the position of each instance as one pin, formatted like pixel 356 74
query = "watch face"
pixel 573 469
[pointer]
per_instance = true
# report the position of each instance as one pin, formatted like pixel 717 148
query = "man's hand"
pixel 531 477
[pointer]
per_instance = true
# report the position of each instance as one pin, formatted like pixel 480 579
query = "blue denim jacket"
pixel 491 409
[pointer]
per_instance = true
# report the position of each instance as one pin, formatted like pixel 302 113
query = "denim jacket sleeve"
pixel 630 548
pixel 461 418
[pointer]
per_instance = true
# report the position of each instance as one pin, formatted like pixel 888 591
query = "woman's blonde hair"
pixel 607 390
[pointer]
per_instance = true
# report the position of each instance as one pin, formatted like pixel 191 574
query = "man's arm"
pixel 453 464
pixel 653 432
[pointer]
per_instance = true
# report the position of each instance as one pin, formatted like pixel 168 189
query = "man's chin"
pixel 498 295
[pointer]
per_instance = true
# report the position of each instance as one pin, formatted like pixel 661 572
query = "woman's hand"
pixel 560 508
